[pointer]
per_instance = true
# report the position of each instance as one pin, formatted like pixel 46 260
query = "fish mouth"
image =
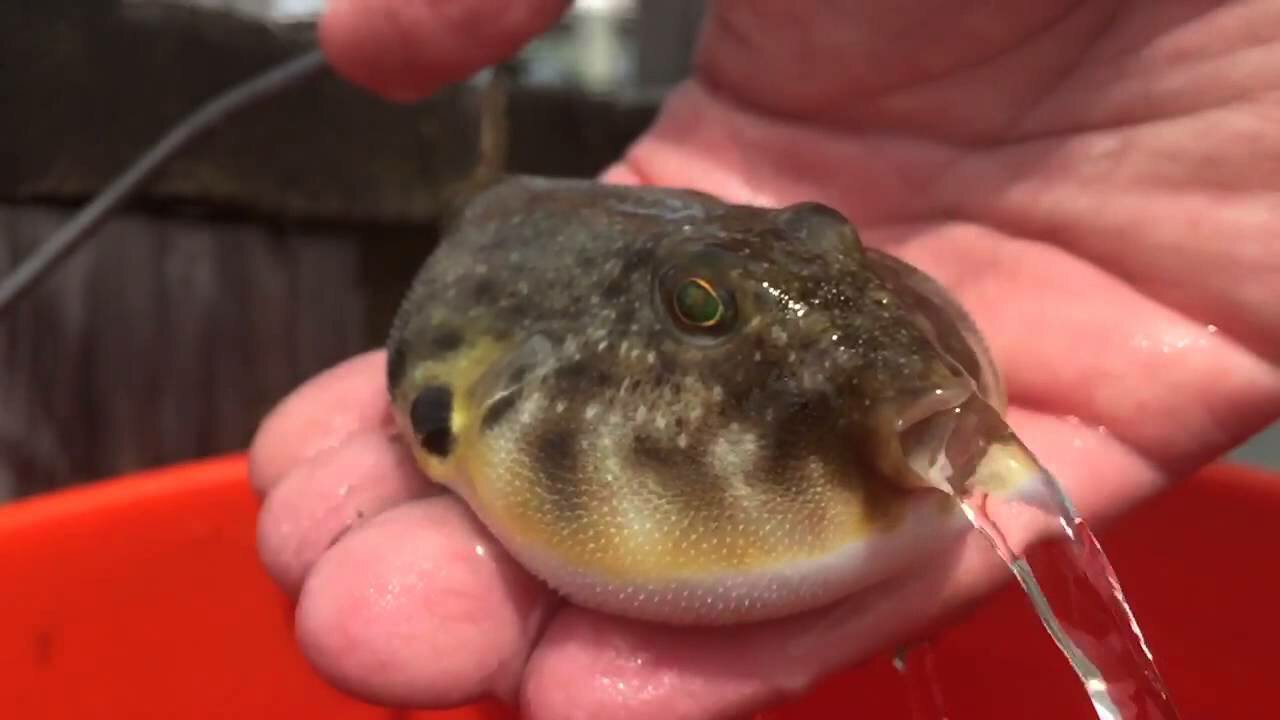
pixel 923 432
pixel 955 440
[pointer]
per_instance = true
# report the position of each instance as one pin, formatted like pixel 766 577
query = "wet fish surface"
pixel 677 409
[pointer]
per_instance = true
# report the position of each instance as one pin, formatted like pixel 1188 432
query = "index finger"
pixel 323 412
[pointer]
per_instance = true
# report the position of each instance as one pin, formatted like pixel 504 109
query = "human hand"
pixel 1094 182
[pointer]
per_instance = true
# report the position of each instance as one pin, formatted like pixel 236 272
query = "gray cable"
pixel 80 227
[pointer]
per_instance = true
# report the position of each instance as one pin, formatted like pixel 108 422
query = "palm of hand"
pixel 1096 193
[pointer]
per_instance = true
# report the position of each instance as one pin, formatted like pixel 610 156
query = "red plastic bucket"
pixel 142 597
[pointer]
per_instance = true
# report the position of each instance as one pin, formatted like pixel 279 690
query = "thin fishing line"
pixel 80 227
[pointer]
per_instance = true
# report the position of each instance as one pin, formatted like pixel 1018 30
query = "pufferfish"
pixel 677 409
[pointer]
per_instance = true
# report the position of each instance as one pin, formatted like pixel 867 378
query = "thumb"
pixel 404 50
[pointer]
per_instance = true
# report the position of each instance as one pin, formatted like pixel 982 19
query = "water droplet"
pixel 924 692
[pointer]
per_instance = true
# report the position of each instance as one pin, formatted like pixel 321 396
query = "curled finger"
pixel 420 607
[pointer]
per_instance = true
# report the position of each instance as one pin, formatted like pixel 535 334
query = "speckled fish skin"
pixel 648 470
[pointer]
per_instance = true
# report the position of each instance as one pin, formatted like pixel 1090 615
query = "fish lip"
pixel 928 406
pixel 920 429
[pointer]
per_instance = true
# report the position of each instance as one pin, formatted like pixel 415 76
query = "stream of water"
pixel 1066 576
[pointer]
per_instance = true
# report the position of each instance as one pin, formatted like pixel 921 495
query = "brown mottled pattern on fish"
pixel 648 466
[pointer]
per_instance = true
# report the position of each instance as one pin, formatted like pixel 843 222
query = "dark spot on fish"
pixel 555 452
pixel 784 449
pixel 396 360
pixel 624 315
pixel 812 426
pixel 638 259
pixel 801 422
pixel 666 366
pixel 648 450
pixel 772 392
pixel 572 372
pixel 631 266
pixel 681 472
pixel 430 415
pixel 519 373
pixel 498 409
pixel 615 288
pixel 484 291
pixel 585 376
pixel 883 497
pixel 445 341
pixel 555 448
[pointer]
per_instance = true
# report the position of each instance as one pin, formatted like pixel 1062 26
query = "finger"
pixel 406 49
pixel 621 173
pixel 334 405
pixel 420 607
pixel 325 497
pixel 1102 475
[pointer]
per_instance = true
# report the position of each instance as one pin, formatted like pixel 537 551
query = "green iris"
pixel 697 303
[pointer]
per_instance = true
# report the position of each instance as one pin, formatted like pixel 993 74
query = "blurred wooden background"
pixel 277 247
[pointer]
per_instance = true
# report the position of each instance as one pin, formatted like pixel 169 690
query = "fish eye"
pixel 697 303
pixel 694 291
